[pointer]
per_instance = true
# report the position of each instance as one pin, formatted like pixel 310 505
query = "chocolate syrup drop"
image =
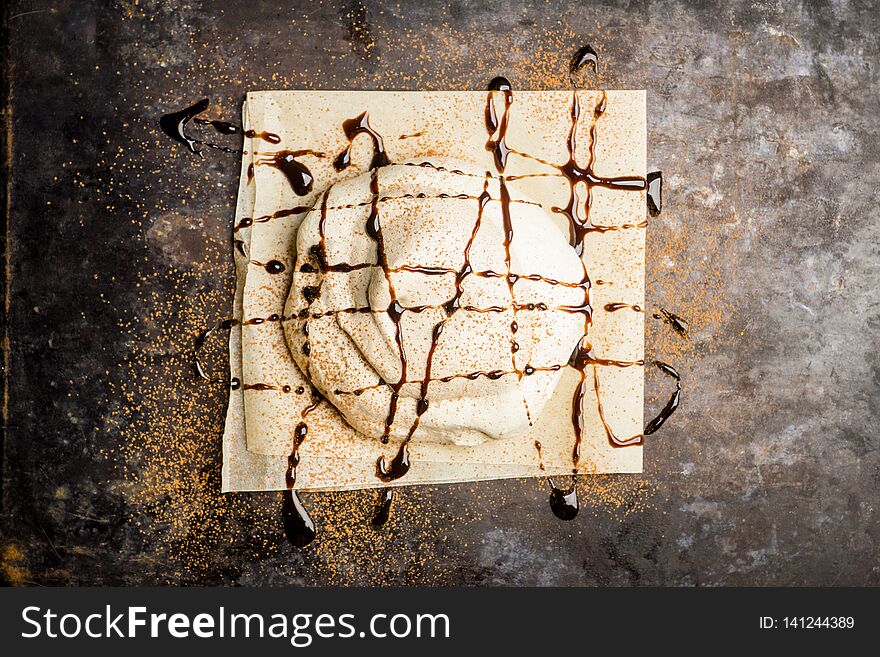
pixel 199 344
pixel 614 307
pixel 173 124
pixel 399 464
pixel 383 511
pixel 227 128
pixel 679 324
pixel 655 193
pixel 297 173
pixel 540 454
pixel 500 83
pixel 564 503
pixel 271 137
pixel 274 267
pixel 298 525
pixel 311 293
pixel 585 56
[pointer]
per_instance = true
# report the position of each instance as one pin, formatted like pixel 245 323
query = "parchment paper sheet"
pixel 259 425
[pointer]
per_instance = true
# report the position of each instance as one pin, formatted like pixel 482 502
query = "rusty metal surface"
pixel 763 119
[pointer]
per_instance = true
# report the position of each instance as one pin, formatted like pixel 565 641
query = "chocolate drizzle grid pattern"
pixel 577 213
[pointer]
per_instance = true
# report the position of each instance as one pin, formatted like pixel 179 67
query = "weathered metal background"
pixel 763 117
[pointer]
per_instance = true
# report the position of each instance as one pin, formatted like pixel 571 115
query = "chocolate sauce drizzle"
pixel 581 178
pixel 174 124
pixel 227 128
pixel 576 211
pixel 199 344
pixel 583 357
pixel 354 127
pixel 679 324
pixel 654 424
pixel 247 222
pixel 272 267
pixel 399 464
pixel 223 127
pixel 297 173
pixel 298 525
pixel 497 142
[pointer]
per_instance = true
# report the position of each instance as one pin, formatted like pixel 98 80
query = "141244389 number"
pixel 818 622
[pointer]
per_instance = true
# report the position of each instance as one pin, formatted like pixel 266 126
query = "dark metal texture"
pixel 763 117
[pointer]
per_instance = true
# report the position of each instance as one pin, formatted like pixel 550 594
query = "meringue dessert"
pixel 452 321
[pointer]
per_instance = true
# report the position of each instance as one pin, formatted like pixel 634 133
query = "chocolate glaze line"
pixel 497 142
pixel 216 147
pixel 311 292
pixel 437 167
pixel 450 307
pixel 312 296
pixel 298 525
pixel 249 221
pixel 395 310
pixel 236 385
pixel 540 454
pixel 226 128
pixel 493 375
pixel 579 223
pixel 533 175
pixel 354 127
pixel 507 223
pixel 655 423
pixel 577 361
pixel 561 504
